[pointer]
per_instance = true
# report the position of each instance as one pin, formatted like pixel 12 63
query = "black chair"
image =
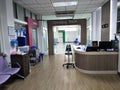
pixel 68 52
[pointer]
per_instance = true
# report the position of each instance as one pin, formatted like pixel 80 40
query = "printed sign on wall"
pixel 105 26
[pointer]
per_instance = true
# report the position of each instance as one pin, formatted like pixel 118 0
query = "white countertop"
pixel 82 50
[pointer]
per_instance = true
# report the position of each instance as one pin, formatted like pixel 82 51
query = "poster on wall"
pixel 11 31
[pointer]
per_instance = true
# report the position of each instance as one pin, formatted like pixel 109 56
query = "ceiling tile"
pixel 38 9
pixel 46 7
pixel 90 9
pixel 70 7
pixel 95 3
pixel 36 6
pixel 43 1
pixel 80 7
pixel 60 8
pixel 46 13
pixel 100 2
pixel 71 0
pixel 83 2
pixel 93 6
pixel 29 1
pixel 78 12
pixel 57 0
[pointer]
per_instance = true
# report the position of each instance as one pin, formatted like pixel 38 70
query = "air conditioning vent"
pixel 64 13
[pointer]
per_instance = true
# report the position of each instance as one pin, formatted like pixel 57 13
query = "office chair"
pixel 68 52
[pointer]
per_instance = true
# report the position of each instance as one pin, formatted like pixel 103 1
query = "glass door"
pixel 34 37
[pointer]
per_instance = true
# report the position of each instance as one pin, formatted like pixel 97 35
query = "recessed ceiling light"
pixel 61 4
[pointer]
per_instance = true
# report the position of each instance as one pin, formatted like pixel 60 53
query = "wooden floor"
pixel 50 75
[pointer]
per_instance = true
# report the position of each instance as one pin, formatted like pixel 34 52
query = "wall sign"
pixel 105 26
pixel 11 30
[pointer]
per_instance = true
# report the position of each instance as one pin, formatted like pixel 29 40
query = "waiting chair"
pixel 68 52
pixel 6 70
pixel 4 78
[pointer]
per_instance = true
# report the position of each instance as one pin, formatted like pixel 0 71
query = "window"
pixel 34 37
pixel 27 13
pixel 20 12
pixel 33 16
pixel 15 10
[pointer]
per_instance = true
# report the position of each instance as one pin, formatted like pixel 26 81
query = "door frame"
pixel 51 23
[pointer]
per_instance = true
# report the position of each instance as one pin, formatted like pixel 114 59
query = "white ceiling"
pixel 45 7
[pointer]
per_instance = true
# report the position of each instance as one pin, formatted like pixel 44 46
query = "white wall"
pixel 71 35
pixel 97 22
pixel 45 40
pixel 9 10
pixel 71 32
pixel 6 17
pixel 113 19
pixel 55 32
pixel 0 31
pixel 40 35
pixel 89 29
pixel 44 37
pixel 96 26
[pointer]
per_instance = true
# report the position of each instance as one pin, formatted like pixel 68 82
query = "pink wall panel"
pixel 31 23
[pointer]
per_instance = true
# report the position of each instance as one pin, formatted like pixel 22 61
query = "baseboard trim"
pixel 96 72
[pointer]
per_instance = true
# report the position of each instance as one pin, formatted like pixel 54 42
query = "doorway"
pixel 63 35
pixel 52 23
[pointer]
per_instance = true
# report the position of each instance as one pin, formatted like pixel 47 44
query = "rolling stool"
pixel 68 53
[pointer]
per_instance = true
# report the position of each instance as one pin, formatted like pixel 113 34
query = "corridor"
pixel 50 75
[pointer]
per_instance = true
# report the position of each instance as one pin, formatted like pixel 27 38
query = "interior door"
pixel 34 37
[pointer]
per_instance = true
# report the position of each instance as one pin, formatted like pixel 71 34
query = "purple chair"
pixel 4 78
pixel 5 69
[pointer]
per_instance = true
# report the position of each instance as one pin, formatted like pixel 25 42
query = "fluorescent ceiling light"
pixel 64 17
pixel 60 4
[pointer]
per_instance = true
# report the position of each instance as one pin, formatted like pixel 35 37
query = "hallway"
pixel 50 75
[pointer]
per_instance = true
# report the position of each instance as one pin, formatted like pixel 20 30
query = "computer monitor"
pixel 95 43
pixel 105 45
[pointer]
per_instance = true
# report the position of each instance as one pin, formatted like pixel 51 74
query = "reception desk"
pixel 96 62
